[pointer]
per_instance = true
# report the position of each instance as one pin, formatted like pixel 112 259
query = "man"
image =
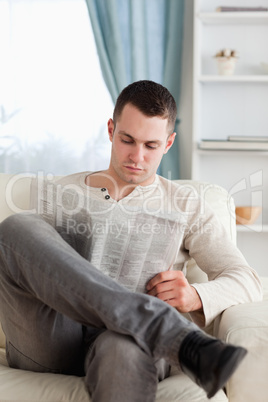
pixel 79 292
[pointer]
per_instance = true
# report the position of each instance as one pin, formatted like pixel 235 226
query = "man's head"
pixel 141 132
pixel 151 99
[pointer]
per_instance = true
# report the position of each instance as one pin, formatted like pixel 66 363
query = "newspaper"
pixel 127 244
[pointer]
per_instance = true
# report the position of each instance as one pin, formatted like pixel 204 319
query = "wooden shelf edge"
pixel 230 151
pixel 233 78
pixel 245 17
pixel 255 228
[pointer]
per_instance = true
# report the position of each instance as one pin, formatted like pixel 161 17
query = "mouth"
pixel 133 169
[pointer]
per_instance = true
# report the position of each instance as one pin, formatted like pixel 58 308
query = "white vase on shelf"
pixel 226 65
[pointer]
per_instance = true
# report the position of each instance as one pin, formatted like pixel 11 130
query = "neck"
pixel 117 188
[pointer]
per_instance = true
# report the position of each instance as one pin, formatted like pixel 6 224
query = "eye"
pixel 126 141
pixel 151 146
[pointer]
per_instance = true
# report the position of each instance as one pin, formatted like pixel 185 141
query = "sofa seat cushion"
pixel 27 386
pixel 179 388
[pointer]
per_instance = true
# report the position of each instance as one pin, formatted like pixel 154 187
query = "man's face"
pixel 138 144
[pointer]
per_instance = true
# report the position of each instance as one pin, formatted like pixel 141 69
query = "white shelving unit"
pixel 233 105
pixel 233 78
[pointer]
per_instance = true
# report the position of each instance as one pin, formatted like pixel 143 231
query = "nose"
pixel 137 154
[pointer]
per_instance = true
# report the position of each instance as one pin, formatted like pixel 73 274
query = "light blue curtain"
pixel 141 39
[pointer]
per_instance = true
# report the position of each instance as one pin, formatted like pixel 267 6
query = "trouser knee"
pixel 16 226
pixel 111 348
pixel 117 360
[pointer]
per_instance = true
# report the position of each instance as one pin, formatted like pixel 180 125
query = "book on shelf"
pixel 240 9
pixel 233 145
pixel 248 138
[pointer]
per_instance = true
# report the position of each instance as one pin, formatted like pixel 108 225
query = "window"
pixel 54 102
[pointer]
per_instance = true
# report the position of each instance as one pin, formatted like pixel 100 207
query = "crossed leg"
pixel 49 293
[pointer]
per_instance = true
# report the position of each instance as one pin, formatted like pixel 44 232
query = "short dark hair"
pixel 151 99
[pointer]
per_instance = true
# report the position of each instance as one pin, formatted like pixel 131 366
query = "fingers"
pixel 173 288
pixel 166 296
pixel 161 290
pixel 164 277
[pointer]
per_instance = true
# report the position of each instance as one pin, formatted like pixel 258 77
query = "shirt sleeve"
pixel 231 280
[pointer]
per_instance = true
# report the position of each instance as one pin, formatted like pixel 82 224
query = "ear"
pixel 110 125
pixel 170 141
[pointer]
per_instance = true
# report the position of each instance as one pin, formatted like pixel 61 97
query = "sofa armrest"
pixel 247 325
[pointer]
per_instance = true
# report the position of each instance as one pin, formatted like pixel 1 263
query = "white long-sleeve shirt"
pixel 155 228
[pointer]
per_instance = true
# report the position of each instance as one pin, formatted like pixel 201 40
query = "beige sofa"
pixel 245 325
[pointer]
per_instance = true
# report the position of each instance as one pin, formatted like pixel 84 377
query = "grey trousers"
pixel 62 315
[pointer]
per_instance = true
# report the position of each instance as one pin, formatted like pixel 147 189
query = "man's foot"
pixel 209 362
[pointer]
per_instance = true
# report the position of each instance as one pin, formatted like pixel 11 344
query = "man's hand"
pixel 173 288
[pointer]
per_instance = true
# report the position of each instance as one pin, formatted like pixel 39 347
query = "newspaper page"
pixel 129 245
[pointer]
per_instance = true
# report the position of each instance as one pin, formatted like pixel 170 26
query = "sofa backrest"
pixel 14 193
pixel 15 196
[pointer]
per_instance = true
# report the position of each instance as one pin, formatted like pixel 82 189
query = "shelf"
pixel 255 228
pixel 233 78
pixel 235 152
pixel 233 18
pixel 233 105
